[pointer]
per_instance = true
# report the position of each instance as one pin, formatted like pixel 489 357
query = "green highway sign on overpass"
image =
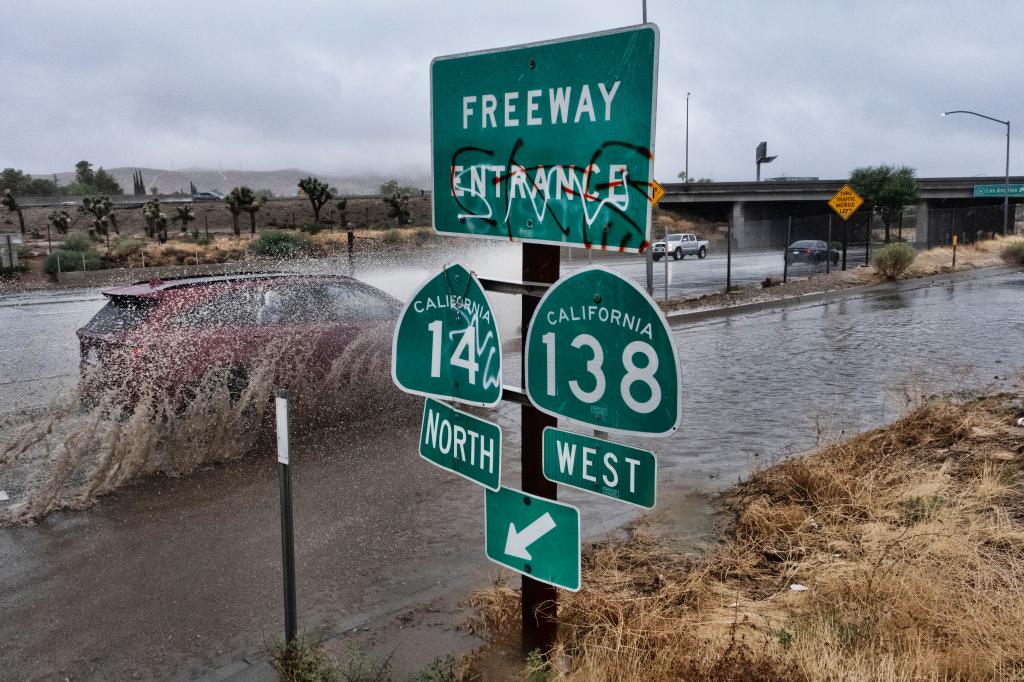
pixel 998 190
pixel 549 142
pixel 534 536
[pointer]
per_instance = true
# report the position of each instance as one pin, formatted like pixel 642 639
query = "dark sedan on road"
pixel 811 251
pixel 170 335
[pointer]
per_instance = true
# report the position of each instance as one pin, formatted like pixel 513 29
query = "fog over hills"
pixel 281 182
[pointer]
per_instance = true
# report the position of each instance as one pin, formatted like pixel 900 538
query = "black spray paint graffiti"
pixel 546 186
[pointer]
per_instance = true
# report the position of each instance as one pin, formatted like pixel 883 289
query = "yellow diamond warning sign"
pixel 845 202
pixel 657 192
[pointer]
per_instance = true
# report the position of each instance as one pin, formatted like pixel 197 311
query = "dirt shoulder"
pixel 894 555
pixel 932 262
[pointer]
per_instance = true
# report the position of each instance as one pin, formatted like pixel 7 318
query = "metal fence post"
pixel 785 254
pixel 828 247
pixel 728 257
pixel 846 239
pixel 649 260
pixel 867 240
pixel 287 529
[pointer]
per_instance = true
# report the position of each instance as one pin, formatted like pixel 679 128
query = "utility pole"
pixel 686 163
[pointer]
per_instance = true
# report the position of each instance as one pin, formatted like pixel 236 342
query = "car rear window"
pixel 806 244
pixel 120 314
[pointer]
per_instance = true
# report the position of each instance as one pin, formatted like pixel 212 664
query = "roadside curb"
pixel 686 317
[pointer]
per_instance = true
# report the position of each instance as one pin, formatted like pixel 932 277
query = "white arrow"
pixel 518 541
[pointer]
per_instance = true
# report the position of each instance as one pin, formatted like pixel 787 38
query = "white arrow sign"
pixel 518 541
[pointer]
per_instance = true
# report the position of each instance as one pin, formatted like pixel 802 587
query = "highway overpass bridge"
pixel 761 211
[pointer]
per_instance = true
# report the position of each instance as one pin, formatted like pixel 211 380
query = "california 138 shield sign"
pixel 446 341
pixel 599 351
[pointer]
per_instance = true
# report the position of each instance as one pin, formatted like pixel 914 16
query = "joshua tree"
pixel 156 220
pixel 10 202
pixel 184 215
pixel 397 199
pixel 252 208
pixel 233 202
pixel 60 221
pixel 103 218
pixel 318 193
pixel 343 213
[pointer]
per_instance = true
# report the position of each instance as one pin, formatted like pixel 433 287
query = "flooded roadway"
pixel 175 577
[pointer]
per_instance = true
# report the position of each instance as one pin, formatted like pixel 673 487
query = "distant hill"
pixel 280 182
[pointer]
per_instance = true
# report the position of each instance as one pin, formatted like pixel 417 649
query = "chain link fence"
pixel 753 253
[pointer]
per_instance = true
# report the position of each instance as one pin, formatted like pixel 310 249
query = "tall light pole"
pixel 686 167
pixel 1006 188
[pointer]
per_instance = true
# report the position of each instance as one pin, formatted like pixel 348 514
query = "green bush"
pixel 77 242
pixel 423 234
pixel 198 239
pixel 71 261
pixel 309 228
pixel 126 246
pixel 1013 253
pixel 279 244
pixel 391 236
pixel 13 272
pixel 892 260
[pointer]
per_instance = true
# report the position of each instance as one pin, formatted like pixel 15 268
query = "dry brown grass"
pixel 909 540
pixel 940 259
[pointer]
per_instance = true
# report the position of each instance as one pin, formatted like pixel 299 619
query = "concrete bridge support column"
pixel 923 236
pixel 739 224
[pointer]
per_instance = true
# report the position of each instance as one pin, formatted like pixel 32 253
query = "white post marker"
pixel 281 402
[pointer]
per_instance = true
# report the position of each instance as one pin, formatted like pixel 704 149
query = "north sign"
pixel 549 142
pixel 600 352
pixel 461 443
pixel 845 202
pixel 446 341
pixel 598 466
pixel 534 536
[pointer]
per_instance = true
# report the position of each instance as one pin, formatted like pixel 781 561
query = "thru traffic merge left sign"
pixel 845 202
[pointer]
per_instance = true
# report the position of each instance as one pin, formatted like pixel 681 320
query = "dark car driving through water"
pixel 811 251
pixel 170 335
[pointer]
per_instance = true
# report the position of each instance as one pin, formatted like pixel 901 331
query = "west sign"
pixel 550 142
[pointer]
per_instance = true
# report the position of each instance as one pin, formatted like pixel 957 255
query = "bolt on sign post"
pixel 549 143
pixel 446 341
pixel 599 351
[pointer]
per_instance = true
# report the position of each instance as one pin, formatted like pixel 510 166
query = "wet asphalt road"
pixel 175 577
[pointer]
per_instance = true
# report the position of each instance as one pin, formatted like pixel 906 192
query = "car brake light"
pixel 807 250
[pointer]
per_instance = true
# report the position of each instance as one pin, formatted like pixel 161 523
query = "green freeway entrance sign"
pixel 998 190
pixel 459 442
pixel 599 466
pixel 446 342
pixel 599 351
pixel 550 142
pixel 534 536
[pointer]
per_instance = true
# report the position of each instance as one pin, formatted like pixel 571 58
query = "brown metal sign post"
pixel 540 600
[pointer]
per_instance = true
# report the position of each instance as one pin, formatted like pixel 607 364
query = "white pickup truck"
pixel 680 246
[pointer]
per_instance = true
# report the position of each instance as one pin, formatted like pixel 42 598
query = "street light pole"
pixel 686 166
pixel 1006 186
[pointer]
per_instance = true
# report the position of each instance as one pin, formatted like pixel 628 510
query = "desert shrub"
pixel 72 261
pixel 126 246
pixel 198 239
pixel 13 272
pixel 77 242
pixel 391 236
pixel 1013 253
pixel 309 229
pixel 279 244
pixel 892 260
pixel 423 234
pixel 24 250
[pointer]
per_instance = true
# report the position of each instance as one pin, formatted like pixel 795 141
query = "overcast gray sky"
pixel 343 86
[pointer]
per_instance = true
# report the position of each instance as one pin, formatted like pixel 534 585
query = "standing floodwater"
pixel 184 574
